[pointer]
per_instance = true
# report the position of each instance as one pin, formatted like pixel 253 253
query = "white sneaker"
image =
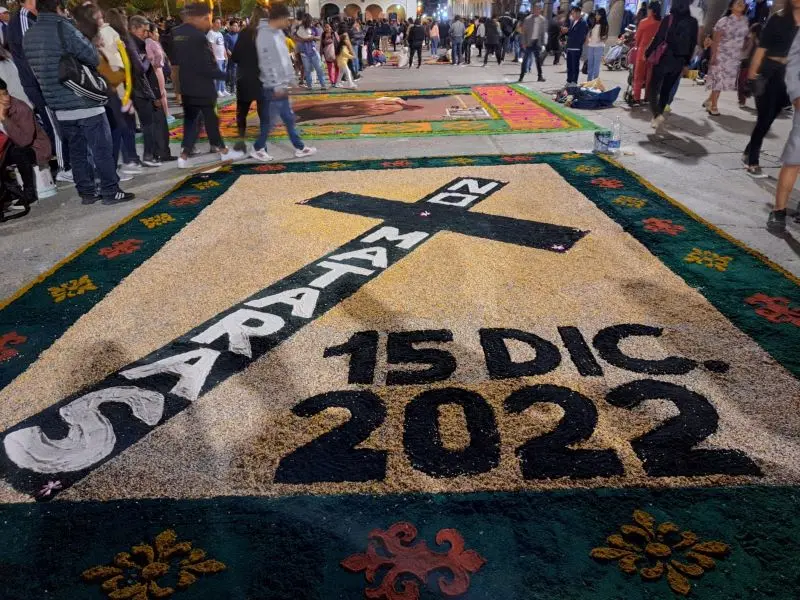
pixel 131 167
pixel 307 151
pixel 65 176
pixel 123 176
pixel 183 163
pixel 657 122
pixel 170 119
pixel 220 95
pixel 260 155
pixel 232 155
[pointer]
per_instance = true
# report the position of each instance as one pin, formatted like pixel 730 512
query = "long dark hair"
pixel 603 20
pixel 85 21
pixel 655 6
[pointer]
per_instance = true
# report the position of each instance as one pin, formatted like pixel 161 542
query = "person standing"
pixel 480 35
pixel 790 159
pixel 576 32
pixel 328 43
pixel 554 37
pixel 5 17
pixel 231 38
pixel 217 41
pixel 435 39
pixel 199 70
pixel 343 57
pixel 357 37
pixel 730 33
pixel 679 34
pixel 312 63
pixel 645 32
pixel 248 76
pixel 416 38
pixel 598 35
pixel 493 41
pixel 533 30
pixel 469 38
pixel 766 78
pixel 457 30
pixel 277 74
pixel 82 121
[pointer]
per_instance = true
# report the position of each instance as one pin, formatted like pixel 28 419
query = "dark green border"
pixel 34 315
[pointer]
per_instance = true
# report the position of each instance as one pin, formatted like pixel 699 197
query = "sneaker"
pixel 657 122
pixel 220 95
pixel 232 155
pixel 260 155
pixel 131 167
pixel 89 199
pixel 151 162
pixel 17 204
pixel 65 176
pixel 307 151
pixel 183 163
pixel 120 196
pixel 777 221
pixel 541 79
pixel 171 119
pixel 755 172
pixel 123 176
pixel 667 109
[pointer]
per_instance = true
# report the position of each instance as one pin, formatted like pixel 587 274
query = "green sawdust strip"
pixel 533 545
pixel 34 314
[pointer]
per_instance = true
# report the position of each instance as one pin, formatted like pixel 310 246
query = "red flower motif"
pixel 662 226
pixel 10 339
pixel 608 183
pixel 184 201
pixel 400 559
pixel 269 168
pixel 120 247
pixel 516 158
pixel 775 310
pixel 393 164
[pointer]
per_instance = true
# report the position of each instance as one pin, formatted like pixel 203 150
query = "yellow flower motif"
pixel 461 160
pixel 156 220
pixel 655 551
pixel 72 288
pixel 465 126
pixel 134 575
pixel 204 185
pixel 225 169
pixel 335 165
pixel 588 169
pixel 712 260
pixel 386 128
pixel 630 201
pixel 571 155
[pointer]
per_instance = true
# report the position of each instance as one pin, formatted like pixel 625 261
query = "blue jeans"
pixel 312 61
pixel 531 54
pixel 515 47
pixel 220 83
pixel 573 65
pixel 283 107
pixel 434 46
pixel 91 135
pixel 458 48
pixel 674 91
pixel 357 58
pixel 595 57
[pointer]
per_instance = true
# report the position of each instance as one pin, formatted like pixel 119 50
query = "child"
pixel 277 75
pixel 344 56
pixel 705 59
pixel 379 57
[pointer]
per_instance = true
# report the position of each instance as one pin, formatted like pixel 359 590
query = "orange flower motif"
pixel 662 226
pixel 12 338
pixel 608 183
pixel 269 168
pixel 184 201
pixel 655 551
pixel 774 309
pixel 516 158
pixel 120 247
pixel 395 164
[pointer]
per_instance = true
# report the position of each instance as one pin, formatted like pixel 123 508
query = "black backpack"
pixel 82 79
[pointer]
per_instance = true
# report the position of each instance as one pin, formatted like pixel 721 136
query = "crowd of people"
pixel 54 127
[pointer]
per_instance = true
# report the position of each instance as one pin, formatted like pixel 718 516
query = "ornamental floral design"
pixel 185 201
pixel 72 288
pixel 516 158
pixel 12 338
pixel 709 259
pixel 608 183
pixel 588 169
pixel 269 168
pixel 405 565
pixel 205 185
pixel 465 126
pixel 120 247
pixel 774 309
pixel 384 128
pixel 662 226
pixel 395 164
pixel 460 160
pixel 335 165
pixel 571 156
pixel 658 551
pixel 155 570
pixel 157 220
pixel 630 201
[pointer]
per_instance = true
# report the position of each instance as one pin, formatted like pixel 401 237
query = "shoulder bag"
pixel 655 56
pixel 82 79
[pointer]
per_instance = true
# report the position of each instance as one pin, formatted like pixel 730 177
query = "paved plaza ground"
pixel 456 355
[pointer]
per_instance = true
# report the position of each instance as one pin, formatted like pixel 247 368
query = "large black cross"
pixel 145 394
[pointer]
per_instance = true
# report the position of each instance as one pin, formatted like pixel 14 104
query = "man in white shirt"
pixel 217 41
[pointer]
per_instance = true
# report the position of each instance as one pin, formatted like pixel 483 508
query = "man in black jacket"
pixel 416 38
pixel 198 71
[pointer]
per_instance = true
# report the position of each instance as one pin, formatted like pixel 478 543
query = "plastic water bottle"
pixel 616 137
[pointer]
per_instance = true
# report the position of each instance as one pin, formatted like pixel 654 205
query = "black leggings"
pixel 191 127
pixel 769 105
pixel 661 85
pixel 497 50
pixel 247 92
pixel 418 51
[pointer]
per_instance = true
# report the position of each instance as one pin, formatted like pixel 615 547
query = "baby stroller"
pixel 628 96
pixel 616 58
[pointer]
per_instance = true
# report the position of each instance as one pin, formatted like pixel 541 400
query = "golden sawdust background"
pixel 231 439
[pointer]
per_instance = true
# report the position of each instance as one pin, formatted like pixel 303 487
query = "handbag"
pixel 655 56
pixel 82 79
